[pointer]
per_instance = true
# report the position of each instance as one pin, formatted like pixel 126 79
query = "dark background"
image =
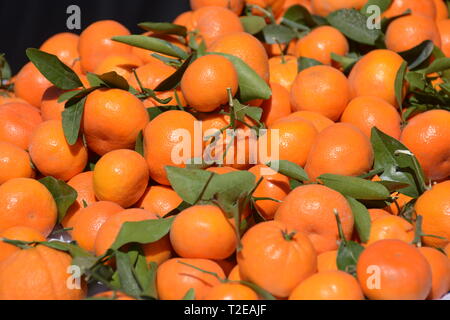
pixel 28 23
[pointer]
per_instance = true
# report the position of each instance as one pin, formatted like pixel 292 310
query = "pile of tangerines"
pixel 351 202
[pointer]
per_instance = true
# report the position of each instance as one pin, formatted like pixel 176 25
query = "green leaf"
pixel 109 80
pixel 128 282
pixel 419 54
pixel 150 290
pixel 347 62
pixel 115 81
pixel 289 169
pixel 253 24
pixel 54 70
pixel 438 65
pixel 382 4
pixel 5 69
pixel 399 82
pixel 355 187
pixel 152 44
pixel 164 28
pixel 142 232
pixel 251 85
pixel 348 256
pixel 300 16
pixel 68 95
pixel 71 121
pixel 139 146
pixel 363 222
pixel 174 80
pixel 353 24
pixel 416 80
pixel 189 184
pixel 229 187
pixel 190 295
pixel 398 167
pixel 63 194
pixel 274 33
pixel 305 63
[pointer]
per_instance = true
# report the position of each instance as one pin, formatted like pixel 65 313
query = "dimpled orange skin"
pixel 444 30
pixel 325 7
pixel 17 233
pixel 174 279
pixel 37 274
pixel 440 270
pixel 375 74
pixel 214 72
pixel 234 5
pixel 329 285
pixel 160 200
pixel 425 8
pixel 277 107
pixel 310 210
pixel 327 261
pixel 340 149
pixel 318 120
pixel 320 43
pixel 51 109
pixel 84 186
pixel 90 220
pixel 428 137
pixel 434 207
pixel 283 70
pixel 266 248
pixel 53 156
pixel 18 122
pixel 212 22
pixel 108 232
pixel 403 272
pixel 274 185
pixel 366 112
pixel 203 232
pixel 122 64
pixel 14 163
pixel 407 32
pixel 96 44
pixel 296 138
pixel 26 202
pixel 441 10
pixel 321 89
pixel 30 85
pixel 391 227
pixel 161 136
pixel 276 6
pixel 112 120
pixel 232 292
pixel 121 176
pixel 376 214
pixel 247 48
pixel 235 274
pixel 64 46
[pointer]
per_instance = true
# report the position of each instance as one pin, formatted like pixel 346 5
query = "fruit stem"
pixel 340 229
pixel 289 236
pixel 204 271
